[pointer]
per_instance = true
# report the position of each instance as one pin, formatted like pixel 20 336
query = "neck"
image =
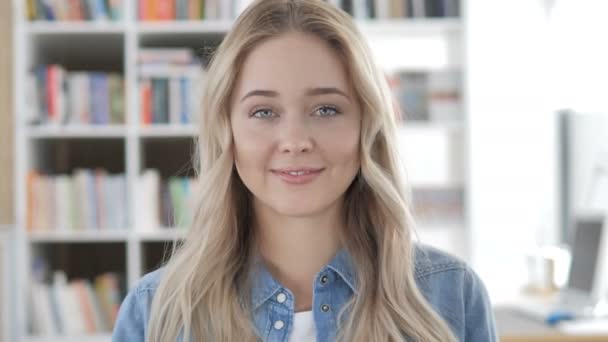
pixel 296 248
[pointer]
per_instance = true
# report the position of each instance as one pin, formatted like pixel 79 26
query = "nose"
pixel 296 137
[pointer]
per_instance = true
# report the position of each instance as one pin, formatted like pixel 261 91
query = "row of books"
pixel 170 82
pixel 90 199
pixel 427 96
pixel 74 308
pixel 166 203
pixel 57 96
pixel 386 9
pixel 74 10
pixel 157 10
pixel 161 10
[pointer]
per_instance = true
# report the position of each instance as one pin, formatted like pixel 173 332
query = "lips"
pixel 297 175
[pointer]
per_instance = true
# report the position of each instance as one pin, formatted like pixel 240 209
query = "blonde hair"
pixel 204 289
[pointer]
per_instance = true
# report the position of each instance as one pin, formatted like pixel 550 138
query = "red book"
pixel 79 11
pixel 86 307
pixel 145 10
pixel 146 102
pixel 165 9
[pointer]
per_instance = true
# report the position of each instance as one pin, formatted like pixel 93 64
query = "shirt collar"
pixel 264 286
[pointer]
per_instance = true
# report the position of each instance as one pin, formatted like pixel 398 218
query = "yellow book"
pixel 32 14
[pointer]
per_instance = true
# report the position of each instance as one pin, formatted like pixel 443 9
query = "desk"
pixel 514 327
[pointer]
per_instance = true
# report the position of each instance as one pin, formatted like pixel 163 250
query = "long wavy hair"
pixel 204 290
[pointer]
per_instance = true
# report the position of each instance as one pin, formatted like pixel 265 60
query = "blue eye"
pixel 263 113
pixel 327 111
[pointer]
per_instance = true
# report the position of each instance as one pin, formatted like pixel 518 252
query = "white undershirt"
pixel 303 327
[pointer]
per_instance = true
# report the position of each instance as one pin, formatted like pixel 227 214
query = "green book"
pixel 116 85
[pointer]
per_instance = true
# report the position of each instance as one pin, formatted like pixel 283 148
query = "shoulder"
pixel 132 321
pixel 456 293
pixel 430 260
pixel 150 281
pixel 444 278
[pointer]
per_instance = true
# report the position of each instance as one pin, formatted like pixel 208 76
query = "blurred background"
pixel 503 131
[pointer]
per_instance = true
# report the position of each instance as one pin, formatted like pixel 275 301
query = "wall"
pixel 6 153
pixel 512 143
pixel 6 114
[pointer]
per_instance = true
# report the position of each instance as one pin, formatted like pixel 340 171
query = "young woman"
pixel 302 230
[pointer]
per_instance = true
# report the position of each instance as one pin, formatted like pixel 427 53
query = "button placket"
pixel 324 280
pixel 281 298
pixel 278 325
pixel 281 315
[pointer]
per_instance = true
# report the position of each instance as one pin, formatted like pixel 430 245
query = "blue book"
pixel 94 97
pixel 97 10
pixel 48 10
pixel 41 84
pixel 100 98
pixel 184 93
pixel 160 100
pixel 181 9
pixel 103 9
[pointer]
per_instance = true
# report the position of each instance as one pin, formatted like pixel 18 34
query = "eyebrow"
pixel 309 92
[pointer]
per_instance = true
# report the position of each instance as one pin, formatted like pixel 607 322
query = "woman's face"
pixel 296 125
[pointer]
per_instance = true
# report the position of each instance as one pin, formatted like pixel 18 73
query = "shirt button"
pixel 324 279
pixel 324 307
pixel 281 297
pixel 279 325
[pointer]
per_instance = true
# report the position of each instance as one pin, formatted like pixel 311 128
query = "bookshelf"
pixel 129 148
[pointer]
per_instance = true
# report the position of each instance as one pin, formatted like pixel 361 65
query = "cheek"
pixel 250 150
pixel 341 144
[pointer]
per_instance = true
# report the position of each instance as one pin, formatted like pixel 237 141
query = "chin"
pixel 285 209
pixel 298 207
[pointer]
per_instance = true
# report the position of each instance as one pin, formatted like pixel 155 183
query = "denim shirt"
pixel 451 287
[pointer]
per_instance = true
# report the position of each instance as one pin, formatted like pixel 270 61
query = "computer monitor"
pixel 588 273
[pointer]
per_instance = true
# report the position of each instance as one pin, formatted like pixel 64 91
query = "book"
pixel 88 199
pixel 42 317
pixel 85 305
pixel 63 97
pixel 165 203
pixel 181 9
pixel 147 200
pixel 76 307
pixel 444 102
pixel 116 99
pixel 169 80
pixel 74 10
pixel 411 93
pixel 145 89
pixel 416 8
pixel 165 10
pixel 160 100
pixel 100 98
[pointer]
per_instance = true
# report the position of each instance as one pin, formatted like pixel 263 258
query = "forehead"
pixel 291 61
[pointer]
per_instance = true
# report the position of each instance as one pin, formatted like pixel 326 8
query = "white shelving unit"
pixel 6 268
pixel 117 44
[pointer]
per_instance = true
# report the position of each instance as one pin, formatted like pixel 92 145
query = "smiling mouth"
pixel 298 175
